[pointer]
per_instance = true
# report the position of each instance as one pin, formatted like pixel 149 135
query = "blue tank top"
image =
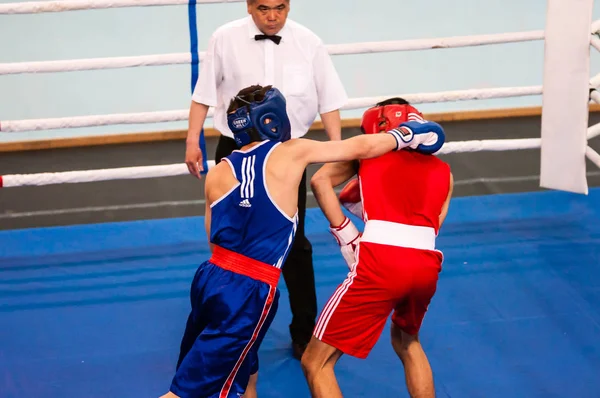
pixel 245 220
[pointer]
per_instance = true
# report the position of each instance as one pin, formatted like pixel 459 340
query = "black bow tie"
pixel 275 39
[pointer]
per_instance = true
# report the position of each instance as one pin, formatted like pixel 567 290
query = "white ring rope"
pixel 96 63
pixel 169 170
pixel 78 176
pixel 94 120
pixel 489 145
pixel 449 96
pixel 15 180
pixel 594 130
pixel 595 96
pixel 592 155
pixel 595 42
pixel 181 115
pixel 36 7
pixel 177 169
pixel 595 81
pixel 333 49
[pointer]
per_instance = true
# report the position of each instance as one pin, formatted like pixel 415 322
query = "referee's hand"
pixel 193 159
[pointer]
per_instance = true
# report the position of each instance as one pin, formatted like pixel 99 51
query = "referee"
pixel 267 48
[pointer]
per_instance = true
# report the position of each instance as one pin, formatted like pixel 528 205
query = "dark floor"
pixel 65 204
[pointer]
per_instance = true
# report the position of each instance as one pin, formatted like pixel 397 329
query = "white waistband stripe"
pixel 401 235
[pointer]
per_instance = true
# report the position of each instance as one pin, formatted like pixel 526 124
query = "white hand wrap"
pixel 348 238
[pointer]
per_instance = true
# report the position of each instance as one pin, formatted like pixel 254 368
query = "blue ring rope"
pixel 193 30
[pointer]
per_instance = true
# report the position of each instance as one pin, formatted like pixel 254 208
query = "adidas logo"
pixel 245 203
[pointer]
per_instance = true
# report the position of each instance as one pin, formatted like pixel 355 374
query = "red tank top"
pixel 405 187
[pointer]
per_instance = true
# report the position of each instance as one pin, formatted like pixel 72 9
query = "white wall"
pixel 155 30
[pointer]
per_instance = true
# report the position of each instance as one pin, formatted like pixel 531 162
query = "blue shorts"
pixel 229 318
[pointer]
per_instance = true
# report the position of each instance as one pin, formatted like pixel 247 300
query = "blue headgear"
pixel 248 122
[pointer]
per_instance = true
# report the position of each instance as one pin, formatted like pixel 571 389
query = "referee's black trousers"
pixel 298 271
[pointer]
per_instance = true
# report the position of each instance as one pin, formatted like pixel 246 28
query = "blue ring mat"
pixel 98 310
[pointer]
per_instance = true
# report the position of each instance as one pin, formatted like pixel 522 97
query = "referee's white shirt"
pixel 300 67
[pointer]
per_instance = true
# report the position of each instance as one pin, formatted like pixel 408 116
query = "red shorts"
pixel 386 279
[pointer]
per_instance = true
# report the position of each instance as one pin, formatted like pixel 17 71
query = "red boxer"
pixel 403 198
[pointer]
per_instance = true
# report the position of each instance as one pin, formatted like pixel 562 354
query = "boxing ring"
pixel 98 310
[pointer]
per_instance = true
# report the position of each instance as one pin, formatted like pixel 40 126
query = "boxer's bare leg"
pixel 318 364
pixel 251 389
pixel 419 378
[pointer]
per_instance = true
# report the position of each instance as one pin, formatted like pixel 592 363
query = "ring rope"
pixel 36 7
pixel 94 120
pixel 595 81
pixel 594 131
pixel 78 176
pixel 183 114
pixel 16 180
pixel 592 155
pixel 595 42
pixel 12 68
pixel 333 49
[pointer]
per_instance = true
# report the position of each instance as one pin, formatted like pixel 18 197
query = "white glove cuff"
pixel 346 233
pixel 403 136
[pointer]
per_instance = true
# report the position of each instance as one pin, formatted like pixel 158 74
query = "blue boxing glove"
pixel 423 136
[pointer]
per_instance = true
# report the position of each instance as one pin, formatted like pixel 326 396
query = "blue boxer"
pixel 234 295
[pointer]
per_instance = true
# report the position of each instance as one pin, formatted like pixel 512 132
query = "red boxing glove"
pixel 350 198
pixel 348 238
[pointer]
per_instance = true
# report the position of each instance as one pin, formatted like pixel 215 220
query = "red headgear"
pixel 382 118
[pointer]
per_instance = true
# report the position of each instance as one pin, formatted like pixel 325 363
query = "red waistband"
pixel 247 266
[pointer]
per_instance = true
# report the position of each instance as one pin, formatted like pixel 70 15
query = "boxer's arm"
pixel 335 173
pixel 207 218
pixel 427 137
pixel 359 147
pixel 447 202
pixel 207 209
pixel 344 231
pixel 322 183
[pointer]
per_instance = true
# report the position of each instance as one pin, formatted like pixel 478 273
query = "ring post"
pixel 565 97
